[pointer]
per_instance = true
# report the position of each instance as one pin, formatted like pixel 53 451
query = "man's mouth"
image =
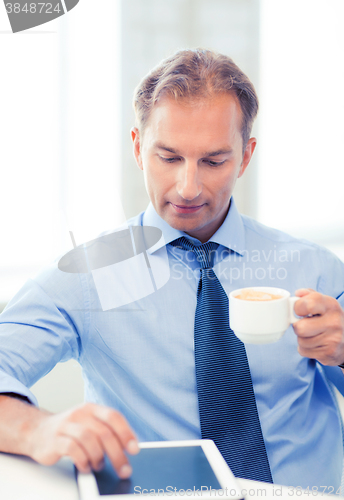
pixel 186 209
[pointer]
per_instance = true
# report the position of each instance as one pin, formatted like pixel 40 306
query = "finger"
pixel 311 304
pixel 119 427
pixel 70 448
pixel 319 353
pixel 115 452
pixel 316 342
pixel 301 292
pixel 86 437
pixel 309 353
pixel 107 426
pixel 311 327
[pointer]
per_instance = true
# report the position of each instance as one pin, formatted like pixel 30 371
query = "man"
pixel 192 141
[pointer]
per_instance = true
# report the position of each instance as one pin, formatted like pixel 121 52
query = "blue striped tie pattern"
pixel 227 405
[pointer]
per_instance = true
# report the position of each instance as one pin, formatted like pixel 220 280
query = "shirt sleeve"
pixel 38 329
pixel 332 275
pixel 332 283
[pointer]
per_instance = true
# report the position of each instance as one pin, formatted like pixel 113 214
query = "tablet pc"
pixel 166 468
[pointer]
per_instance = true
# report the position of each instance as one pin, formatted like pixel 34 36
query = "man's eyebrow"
pixel 160 145
pixel 219 152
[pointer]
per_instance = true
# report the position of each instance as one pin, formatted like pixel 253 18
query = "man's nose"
pixel 188 183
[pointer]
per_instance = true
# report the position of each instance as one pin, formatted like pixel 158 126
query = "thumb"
pixel 302 292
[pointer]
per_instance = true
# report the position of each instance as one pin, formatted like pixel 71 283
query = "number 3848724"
pixel 312 491
pixel 33 8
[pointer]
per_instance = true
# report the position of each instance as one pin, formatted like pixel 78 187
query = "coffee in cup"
pixel 261 315
pixel 254 294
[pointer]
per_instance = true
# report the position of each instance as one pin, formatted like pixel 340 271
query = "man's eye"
pixel 214 163
pixel 169 159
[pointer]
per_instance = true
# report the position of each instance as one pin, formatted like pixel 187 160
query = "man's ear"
pixel 135 136
pixel 250 147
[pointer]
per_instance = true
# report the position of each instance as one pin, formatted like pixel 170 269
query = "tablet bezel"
pixel 88 488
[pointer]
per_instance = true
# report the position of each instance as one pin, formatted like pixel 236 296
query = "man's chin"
pixel 184 223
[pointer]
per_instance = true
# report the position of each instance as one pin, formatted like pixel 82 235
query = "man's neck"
pixel 204 234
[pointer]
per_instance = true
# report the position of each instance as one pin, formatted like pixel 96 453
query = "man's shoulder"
pixel 312 255
pixel 258 230
pixel 136 220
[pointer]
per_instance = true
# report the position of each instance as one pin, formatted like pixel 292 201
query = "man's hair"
pixel 192 75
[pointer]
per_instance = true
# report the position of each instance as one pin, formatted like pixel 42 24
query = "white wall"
pixel 301 166
pixel 61 389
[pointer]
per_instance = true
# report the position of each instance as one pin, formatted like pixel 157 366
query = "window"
pixel 301 174
pixel 60 142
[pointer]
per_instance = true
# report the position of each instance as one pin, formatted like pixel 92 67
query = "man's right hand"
pixel 85 434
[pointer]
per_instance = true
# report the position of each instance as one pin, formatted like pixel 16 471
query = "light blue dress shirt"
pixel 139 358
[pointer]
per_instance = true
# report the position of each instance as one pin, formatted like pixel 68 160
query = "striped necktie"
pixel 227 405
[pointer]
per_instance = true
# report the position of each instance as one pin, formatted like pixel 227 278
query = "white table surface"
pixel 23 479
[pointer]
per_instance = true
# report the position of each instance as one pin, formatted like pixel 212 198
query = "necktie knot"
pixel 205 253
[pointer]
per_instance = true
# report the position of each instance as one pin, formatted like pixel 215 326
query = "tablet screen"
pixel 166 469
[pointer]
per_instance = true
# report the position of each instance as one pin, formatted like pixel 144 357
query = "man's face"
pixel 191 156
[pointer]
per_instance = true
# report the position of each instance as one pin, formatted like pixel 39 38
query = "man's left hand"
pixel 321 333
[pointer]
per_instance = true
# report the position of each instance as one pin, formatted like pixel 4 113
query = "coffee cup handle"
pixel 292 316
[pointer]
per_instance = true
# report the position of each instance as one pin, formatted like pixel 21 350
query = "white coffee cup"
pixel 261 321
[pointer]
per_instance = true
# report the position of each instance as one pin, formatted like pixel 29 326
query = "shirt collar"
pixel 231 234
